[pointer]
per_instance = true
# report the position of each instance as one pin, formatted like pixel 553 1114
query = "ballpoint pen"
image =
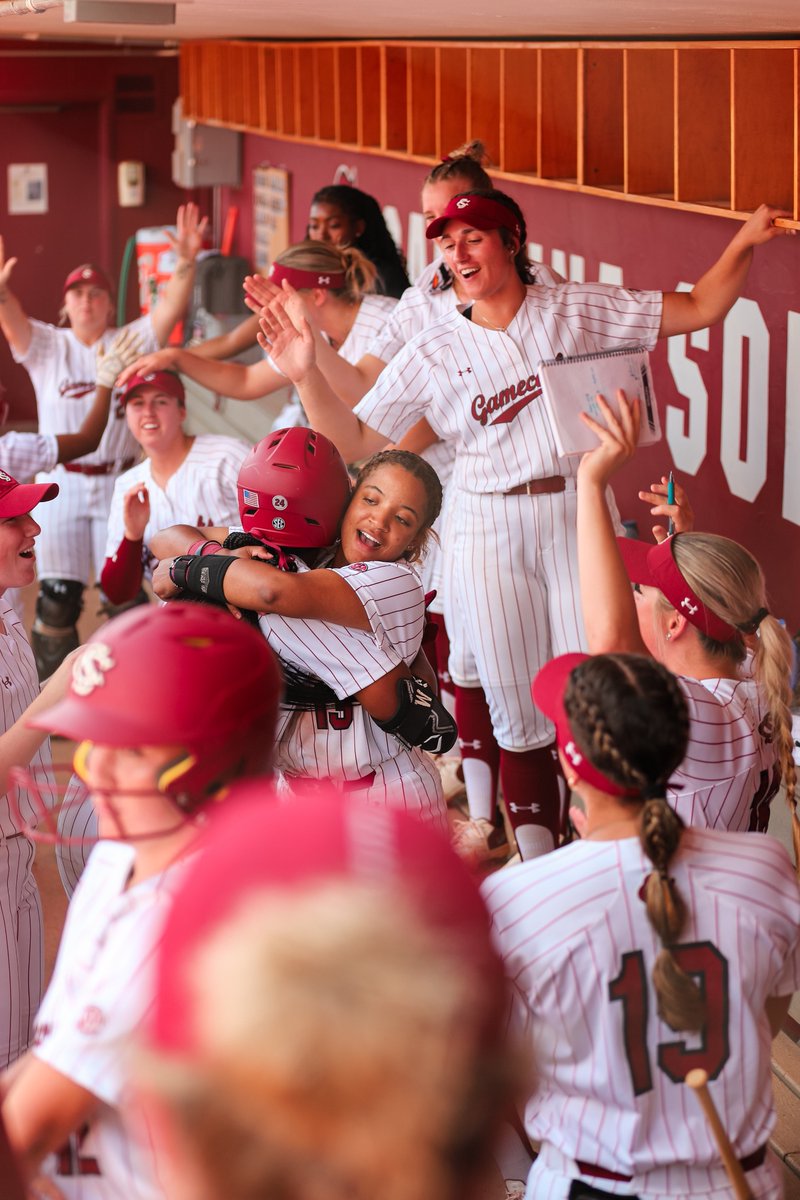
pixel 670 500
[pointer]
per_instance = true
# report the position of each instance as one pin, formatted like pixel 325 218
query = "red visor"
pixel 548 690
pixel 478 211
pixel 655 566
pixel 164 381
pixel 305 279
pixel 16 499
pixel 255 846
pixel 87 274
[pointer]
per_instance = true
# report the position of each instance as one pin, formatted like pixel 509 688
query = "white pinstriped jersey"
pixel 730 772
pixel 99 995
pixel 430 297
pixel 63 373
pixel 22 455
pixel 479 387
pixel 19 687
pixel 419 307
pixel 201 492
pixel 342 742
pixel 579 951
pixel 373 313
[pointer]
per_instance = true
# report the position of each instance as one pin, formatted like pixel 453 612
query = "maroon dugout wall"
pixel 729 396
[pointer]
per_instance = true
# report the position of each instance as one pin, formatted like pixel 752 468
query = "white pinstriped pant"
pixel 511 601
pixel 22 949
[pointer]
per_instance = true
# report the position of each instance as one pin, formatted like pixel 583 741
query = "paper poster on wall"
pixel 27 188
pixel 270 215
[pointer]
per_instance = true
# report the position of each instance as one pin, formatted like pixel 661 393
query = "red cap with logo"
pixel 481 212
pixel 16 499
pixel 548 690
pixel 163 381
pixel 255 846
pixel 88 273
pixel 655 566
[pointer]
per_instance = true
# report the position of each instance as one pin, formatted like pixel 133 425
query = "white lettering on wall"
pixel 687 431
pixel 610 273
pixel 745 475
pixel 418 245
pixel 791 454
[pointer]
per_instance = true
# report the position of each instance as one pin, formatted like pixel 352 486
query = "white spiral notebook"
pixel 570 387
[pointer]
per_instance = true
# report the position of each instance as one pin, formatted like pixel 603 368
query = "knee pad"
pixel 54 633
pixel 59 603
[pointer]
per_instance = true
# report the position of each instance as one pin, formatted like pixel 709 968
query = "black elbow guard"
pixel 421 718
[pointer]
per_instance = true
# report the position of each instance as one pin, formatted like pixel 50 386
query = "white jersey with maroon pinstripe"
pixel 371 317
pixel 21 942
pixel 730 772
pixel 480 389
pixel 98 996
pixel 62 371
pixel 77 833
pixel 201 492
pixel 24 454
pixel 579 951
pixel 432 296
pixel 342 742
pixel 511 596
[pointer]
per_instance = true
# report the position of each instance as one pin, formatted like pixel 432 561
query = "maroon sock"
pixel 476 741
pixel 530 788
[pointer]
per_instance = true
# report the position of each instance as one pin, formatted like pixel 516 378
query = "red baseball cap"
pixel 548 690
pixel 481 212
pixel 655 566
pixel 88 273
pixel 165 381
pixel 16 499
pixel 258 846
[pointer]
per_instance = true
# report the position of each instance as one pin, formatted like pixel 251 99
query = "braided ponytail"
pixel 681 1003
pixel 630 717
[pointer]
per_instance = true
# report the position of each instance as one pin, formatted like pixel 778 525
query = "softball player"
pixel 355 627
pixel 346 216
pixel 678 948
pixel 21 946
pixel 473 375
pixel 336 289
pixel 700 607
pixel 213 694
pixel 61 364
pixel 436 293
pixel 317 915
pixel 181 479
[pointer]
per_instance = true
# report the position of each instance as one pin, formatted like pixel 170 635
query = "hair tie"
pixel 752 625
pixel 447 158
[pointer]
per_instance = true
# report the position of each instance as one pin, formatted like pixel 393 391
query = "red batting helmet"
pixel 183 674
pixel 293 488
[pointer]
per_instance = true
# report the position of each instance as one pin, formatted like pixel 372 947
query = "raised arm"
pixel 716 292
pixel 14 323
pixel 174 300
pixel 609 610
pixel 122 351
pixel 177 539
pixel 225 378
pixel 313 595
pixel 349 381
pixel 294 353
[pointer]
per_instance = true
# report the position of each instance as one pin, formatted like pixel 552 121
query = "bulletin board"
pixel 270 215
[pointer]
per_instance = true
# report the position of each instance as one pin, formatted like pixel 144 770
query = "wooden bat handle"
pixel 697 1080
pixel 785 223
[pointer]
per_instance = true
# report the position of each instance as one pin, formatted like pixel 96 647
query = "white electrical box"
pixel 130 184
pixel 204 156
